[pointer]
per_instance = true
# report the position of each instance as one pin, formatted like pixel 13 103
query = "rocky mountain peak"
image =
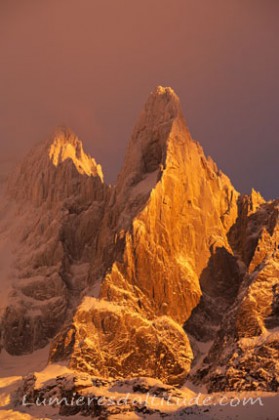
pixel 162 105
pixel 66 145
pixel 147 150
pixel 55 170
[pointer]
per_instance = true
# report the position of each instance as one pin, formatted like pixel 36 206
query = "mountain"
pixel 169 206
pixel 52 207
pixel 169 274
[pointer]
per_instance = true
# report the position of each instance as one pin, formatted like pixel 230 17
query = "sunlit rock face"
pixel 65 145
pixel 169 207
pixel 113 341
pixel 169 272
pixel 184 205
pixel 56 170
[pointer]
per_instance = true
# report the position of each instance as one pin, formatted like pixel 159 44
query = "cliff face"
pixel 244 349
pixel 183 205
pixel 170 206
pixel 55 208
pixel 133 280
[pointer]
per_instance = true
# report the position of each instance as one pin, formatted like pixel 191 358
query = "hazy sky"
pixel 90 64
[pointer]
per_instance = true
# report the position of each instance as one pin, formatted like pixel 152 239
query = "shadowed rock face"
pixel 244 346
pixel 112 274
pixel 56 208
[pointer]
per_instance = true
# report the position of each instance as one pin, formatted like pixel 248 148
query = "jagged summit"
pixel 66 145
pixel 148 147
pixel 162 104
pixel 165 92
pixel 55 169
pixel 162 107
